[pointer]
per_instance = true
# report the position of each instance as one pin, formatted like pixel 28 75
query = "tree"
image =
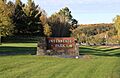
pixel 44 18
pixel 19 18
pixel 33 14
pixel 117 24
pixel 66 13
pixel 26 18
pixel 59 28
pixel 47 30
pixel 61 23
pixel 11 7
pixel 3 1
pixel 44 21
pixel 6 25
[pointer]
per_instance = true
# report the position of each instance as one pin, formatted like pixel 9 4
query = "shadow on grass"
pixel 5 50
pixel 99 52
pixel 20 41
pixel 17 50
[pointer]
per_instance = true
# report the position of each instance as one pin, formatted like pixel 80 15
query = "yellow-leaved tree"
pixel 117 24
pixel 6 26
pixel 47 30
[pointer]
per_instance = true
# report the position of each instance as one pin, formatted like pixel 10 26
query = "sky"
pixel 85 11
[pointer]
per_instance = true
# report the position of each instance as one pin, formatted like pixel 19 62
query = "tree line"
pixel 97 34
pixel 18 18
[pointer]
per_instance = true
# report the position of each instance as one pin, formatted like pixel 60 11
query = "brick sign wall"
pixel 62 45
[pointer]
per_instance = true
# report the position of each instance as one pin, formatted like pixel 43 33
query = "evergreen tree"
pixel 33 14
pixel 19 18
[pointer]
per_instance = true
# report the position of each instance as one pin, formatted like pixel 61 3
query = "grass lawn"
pixel 17 48
pixel 105 63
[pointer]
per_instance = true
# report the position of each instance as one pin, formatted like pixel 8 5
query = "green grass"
pixel 101 50
pixel 17 48
pixel 27 66
pixel 105 63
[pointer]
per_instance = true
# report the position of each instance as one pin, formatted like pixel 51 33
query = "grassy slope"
pixel 105 63
pixel 101 50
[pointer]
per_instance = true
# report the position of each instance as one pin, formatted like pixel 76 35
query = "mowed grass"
pixel 104 63
pixel 17 48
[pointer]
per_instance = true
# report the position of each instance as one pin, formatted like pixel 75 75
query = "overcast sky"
pixel 85 11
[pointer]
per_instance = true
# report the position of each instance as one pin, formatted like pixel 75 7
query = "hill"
pixel 96 33
pixel 99 24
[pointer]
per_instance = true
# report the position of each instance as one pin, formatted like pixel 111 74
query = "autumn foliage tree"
pixel 47 30
pixel 46 26
pixel 117 24
pixel 6 26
